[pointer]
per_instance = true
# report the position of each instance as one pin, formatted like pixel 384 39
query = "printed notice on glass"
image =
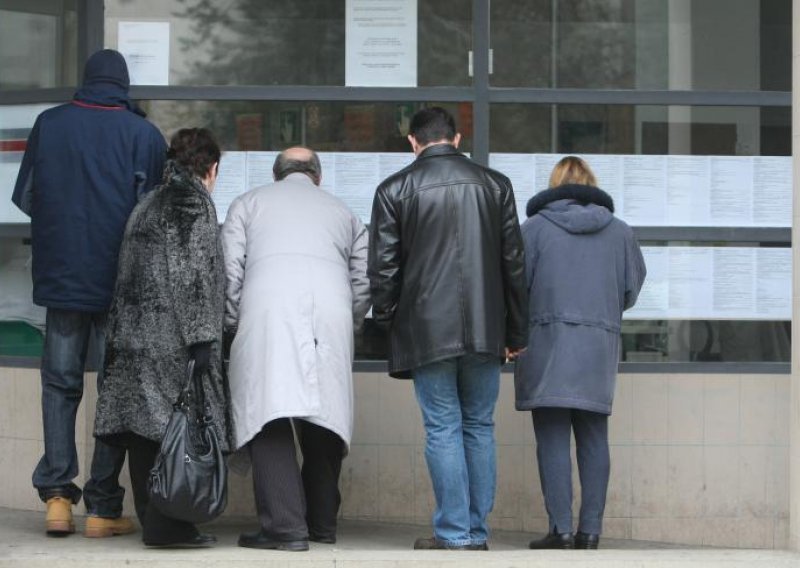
pixel 690 281
pixel 731 190
pixel 231 181
pixel 774 283
pixel 644 186
pixel 653 300
pixel 521 170
pixel 356 180
pixel 145 46
pixel 381 43
pixel 688 190
pixel 772 195
pixel 259 168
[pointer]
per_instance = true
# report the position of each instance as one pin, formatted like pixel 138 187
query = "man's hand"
pixel 512 354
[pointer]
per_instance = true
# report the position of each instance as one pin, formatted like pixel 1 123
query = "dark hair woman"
pixel 583 267
pixel 167 308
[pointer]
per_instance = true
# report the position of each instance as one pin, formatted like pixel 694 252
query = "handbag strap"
pixel 194 384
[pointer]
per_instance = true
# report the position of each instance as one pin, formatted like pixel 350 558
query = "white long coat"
pixel 296 260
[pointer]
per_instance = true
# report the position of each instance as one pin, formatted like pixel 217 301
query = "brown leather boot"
pixel 59 516
pixel 101 527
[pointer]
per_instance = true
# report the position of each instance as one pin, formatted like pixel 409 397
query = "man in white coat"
pixel 296 261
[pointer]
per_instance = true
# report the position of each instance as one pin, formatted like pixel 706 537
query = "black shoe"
pixel 433 543
pixel 586 541
pixel 260 540
pixel 553 540
pixel 197 541
pixel 322 539
pixel 481 546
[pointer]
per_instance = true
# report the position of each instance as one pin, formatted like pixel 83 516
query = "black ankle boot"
pixel 586 541
pixel 553 540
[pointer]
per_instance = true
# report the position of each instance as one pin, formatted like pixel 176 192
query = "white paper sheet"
pixel 381 43
pixel 731 190
pixel 356 180
pixel 690 281
pixel 774 283
pixel 259 168
pixel 608 171
pixel 521 170
pixel 644 181
pixel 231 181
pixel 390 163
pixel 688 190
pixel 772 195
pixel 734 282
pixel 653 301
pixel 145 46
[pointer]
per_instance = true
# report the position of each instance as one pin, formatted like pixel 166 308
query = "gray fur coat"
pixel 169 294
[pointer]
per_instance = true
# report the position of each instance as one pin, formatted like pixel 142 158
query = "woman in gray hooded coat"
pixel 583 267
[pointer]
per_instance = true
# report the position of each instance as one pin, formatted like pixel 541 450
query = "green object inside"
pixel 19 339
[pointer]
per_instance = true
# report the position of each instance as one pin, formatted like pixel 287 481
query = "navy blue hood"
pixel 575 208
pixel 106 82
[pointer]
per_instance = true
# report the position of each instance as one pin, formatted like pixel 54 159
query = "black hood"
pixel 581 193
pixel 106 82
pixel 107 67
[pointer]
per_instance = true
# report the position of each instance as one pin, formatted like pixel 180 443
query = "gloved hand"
pixel 201 353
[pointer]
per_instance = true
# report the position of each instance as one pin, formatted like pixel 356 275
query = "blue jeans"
pixel 457 398
pixel 65 346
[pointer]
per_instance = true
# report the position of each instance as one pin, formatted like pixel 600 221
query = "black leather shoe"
pixel 323 539
pixel 586 541
pixel 433 543
pixel 554 541
pixel 260 540
pixel 198 541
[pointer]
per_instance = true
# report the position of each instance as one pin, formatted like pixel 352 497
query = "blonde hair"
pixel 572 169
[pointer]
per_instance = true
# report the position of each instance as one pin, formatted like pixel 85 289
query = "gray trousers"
pixel 294 503
pixel 553 428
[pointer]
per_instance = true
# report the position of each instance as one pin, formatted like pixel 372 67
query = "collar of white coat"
pixel 299 177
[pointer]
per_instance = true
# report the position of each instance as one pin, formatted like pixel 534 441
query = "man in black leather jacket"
pixel 446 269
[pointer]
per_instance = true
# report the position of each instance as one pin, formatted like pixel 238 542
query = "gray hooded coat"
pixel 583 267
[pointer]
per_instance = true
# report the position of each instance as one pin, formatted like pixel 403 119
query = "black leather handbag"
pixel 189 480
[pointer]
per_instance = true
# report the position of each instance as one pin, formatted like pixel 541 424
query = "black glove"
pixel 201 353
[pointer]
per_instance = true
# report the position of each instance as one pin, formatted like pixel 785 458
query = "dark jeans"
pixel 156 528
pixel 553 427
pixel 65 345
pixel 292 503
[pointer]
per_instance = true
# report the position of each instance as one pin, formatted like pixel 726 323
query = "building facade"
pixel 683 107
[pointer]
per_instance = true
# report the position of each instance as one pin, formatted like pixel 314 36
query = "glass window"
pixel 38 44
pixel 629 129
pixel 288 42
pixel 323 126
pixel 642 44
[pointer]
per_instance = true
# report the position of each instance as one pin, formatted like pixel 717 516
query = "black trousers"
pixel 293 504
pixel 156 528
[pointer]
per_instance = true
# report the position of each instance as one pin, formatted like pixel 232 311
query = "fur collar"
pixel 582 193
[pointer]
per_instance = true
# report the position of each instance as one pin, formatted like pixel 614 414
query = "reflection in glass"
pixel 287 42
pixel 323 126
pixel 642 44
pixel 38 44
pixel 629 129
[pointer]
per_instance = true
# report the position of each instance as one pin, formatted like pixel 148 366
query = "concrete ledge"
pixel 367 545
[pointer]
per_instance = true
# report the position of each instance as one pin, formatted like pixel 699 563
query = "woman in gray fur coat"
pixel 167 308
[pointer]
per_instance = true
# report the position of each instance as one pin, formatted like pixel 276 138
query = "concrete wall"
pixel 696 459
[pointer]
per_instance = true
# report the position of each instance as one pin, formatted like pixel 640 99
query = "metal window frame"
pixel 91 28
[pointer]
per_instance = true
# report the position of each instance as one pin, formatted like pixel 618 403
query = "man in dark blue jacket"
pixel 85 165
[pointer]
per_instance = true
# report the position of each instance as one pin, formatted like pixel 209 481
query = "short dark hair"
pixel 195 150
pixel 431 125
pixel 284 166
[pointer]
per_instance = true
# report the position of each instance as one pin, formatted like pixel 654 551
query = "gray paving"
pixel 367 545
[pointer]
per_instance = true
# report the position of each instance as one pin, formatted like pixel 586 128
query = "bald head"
pixel 297 159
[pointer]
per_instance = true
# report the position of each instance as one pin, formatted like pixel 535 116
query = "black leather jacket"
pixel 446 261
